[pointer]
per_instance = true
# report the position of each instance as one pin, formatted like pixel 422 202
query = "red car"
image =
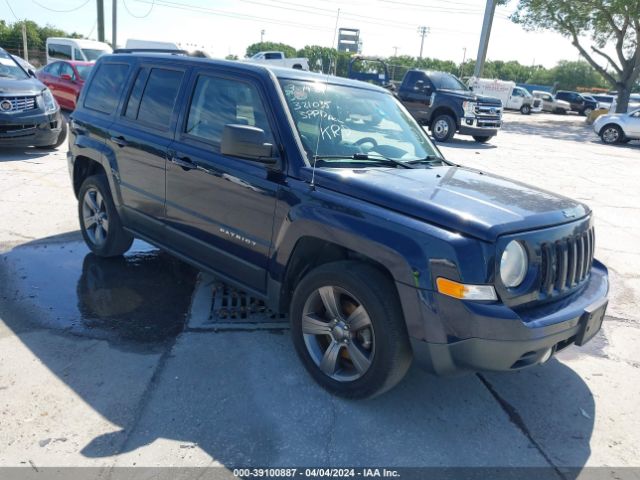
pixel 65 80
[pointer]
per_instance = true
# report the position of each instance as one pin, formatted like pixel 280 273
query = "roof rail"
pixel 151 50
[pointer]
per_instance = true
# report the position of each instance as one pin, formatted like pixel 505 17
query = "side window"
pixel 217 102
pixel 159 93
pixel 60 51
pixel 412 78
pixel 516 93
pixel 105 88
pixel 53 69
pixel 636 114
pixel 77 54
pixel 66 68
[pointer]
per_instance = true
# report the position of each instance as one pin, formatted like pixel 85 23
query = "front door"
pixel 140 138
pixel 220 209
pixel 416 95
pixel 516 99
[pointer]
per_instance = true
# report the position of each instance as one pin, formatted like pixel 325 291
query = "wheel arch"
pixel 444 110
pixel 611 124
pixel 84 167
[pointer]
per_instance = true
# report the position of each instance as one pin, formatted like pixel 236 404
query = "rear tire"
pixel 443 128
pixel 525 109
pixel 482 139
pixel 348 329
pixel 99 220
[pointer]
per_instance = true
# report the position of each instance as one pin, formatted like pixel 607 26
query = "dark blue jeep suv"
pixel 325 198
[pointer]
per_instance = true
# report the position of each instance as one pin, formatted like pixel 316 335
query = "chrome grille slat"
pixel 20 104
pixel 566 263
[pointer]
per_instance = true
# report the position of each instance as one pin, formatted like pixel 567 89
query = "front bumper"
pixel 30 129
pixel 458 336
pixel 480 126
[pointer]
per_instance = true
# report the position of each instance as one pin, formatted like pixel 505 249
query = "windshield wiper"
pixel 365 156
pixel 429 159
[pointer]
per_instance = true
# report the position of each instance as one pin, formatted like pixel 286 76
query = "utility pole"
pixel 464 57
pixel 24 40
pixel 489 11
pixel 262 32
pixel 114 24
pixel 100 4
pixel 422 31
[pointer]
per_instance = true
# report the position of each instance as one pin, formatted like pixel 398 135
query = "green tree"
pixel 320 58
pixel 605 22
pixel 288 50
pixel 231 57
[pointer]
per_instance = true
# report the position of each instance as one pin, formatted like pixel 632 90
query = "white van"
pixel 151 44
pixel 512 96
pixel 75 49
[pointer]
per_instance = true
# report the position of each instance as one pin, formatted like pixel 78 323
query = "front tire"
pixel 525 109
pixel 611 134
pixel 348 329
pixel 482 139
pixel 587 111
pixel 99 220
pixel 443 128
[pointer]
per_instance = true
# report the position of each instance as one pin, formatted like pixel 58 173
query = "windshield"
pixel 83 70
pixel 345 122
pixel 92 54
pixel 446 81
pixel 10 69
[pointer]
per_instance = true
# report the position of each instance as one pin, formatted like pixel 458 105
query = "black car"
pixel 379 249
pixel 584 106
pixel 29 115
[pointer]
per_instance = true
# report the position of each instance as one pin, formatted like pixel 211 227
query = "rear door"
pixel 220 209
pixel 140 138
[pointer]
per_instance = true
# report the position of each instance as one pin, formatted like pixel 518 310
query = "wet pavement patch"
pixel 141 297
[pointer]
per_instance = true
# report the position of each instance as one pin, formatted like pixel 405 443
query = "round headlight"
pixel 513 264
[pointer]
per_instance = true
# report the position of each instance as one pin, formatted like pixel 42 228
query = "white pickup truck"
pixel 512 96
pixel 279 59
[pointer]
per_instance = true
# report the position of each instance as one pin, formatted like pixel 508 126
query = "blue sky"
pixel 223 27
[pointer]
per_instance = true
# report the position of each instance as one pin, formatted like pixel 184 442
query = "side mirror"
pixel 419 86
pixel 31 73
pixel 246 142
pixel 65 76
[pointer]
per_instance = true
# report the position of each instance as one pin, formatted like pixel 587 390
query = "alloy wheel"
pixel 611 135
pixel 94 217
pixel 338 333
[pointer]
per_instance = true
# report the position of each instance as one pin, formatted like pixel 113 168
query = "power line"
pixel 224 13
pixel 14 13
pixel 124 2
pixel 61 11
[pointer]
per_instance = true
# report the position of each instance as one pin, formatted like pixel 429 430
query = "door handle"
pixel 120 141
pixel 184 162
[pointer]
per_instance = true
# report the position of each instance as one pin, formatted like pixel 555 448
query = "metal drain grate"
pixel 219 306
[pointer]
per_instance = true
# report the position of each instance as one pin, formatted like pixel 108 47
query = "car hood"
pixel 462 200
pixel 27 86
pixel 469 95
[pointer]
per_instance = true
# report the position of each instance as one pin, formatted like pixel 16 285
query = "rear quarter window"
pixel 60 51
pixel 105 88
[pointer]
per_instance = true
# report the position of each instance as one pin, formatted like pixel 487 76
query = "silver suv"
pixel 550 103
pixel 618 127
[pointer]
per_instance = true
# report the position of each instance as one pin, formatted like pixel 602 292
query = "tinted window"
pixel 159 97
pixel 104 92
pixel 83 70
pixel 65 68
pixel 136 94
pixel 217 102
pixel 412 78
pixel 53 68
pixel 60 51
pixel 446 81
pixel 77 54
